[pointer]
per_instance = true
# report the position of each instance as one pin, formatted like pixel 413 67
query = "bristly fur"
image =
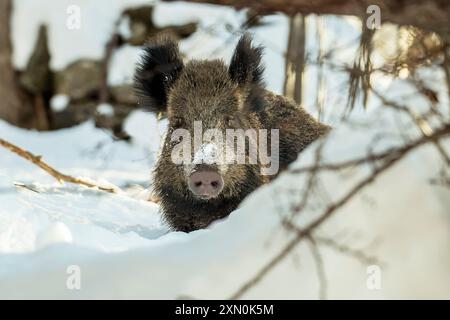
pixel 245 66
pixel 159 68
pixel 255 101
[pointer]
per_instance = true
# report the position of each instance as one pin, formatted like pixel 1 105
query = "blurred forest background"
pixel 419 31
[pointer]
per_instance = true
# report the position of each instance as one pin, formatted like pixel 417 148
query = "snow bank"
pixel 406 217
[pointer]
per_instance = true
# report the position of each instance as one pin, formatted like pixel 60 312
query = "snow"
pixel 59 102
pixel 120 242
pixel 123 62
pixel 55 233
pixel 208 153
pixel 124 250
pixel 105 109
pixel 82 151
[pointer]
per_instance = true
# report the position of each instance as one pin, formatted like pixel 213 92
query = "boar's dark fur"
pixel 221 97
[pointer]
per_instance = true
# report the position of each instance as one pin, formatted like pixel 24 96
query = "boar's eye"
pixel 177 122
pixel 229 121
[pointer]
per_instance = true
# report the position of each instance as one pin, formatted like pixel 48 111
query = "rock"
pixel 115 123
pixel 253 20
pixel 37 80
pixel 79 80
pixel 140 24
pixel 75 113
pixel 142 27
pixel 140 14
pixel 182 31
pixel 36 77
pixel 124 94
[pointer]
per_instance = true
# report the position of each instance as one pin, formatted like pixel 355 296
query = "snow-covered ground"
pixel 81 151
pixel 123 249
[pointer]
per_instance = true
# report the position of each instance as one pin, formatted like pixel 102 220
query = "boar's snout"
pixel 205 182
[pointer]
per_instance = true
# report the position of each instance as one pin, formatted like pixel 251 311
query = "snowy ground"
pixel 80 151
pixel 124 250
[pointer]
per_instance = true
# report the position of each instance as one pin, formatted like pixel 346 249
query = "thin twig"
pixel 359 255
pixel 371 158
pixel 310 183
pixel 420 121
pixel 320 267
pixel 60 177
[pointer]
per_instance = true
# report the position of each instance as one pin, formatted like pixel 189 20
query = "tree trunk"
pixel 432 15
pixel 295 59
pixel 15 104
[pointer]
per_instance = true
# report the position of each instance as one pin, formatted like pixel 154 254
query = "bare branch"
pixel 420 121
pixel 359 255
pixel 320 267
pixel 434 14
pixel 372 158
pixel 60 177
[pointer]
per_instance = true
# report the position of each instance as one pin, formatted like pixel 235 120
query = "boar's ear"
pixel 159 68
pixel 245 66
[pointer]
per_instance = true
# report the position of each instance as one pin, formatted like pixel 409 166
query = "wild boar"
pixel 208 94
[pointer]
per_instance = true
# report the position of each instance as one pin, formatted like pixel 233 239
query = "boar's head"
pixel 206 102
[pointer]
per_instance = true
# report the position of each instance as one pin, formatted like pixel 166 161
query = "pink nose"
pixel 206 183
